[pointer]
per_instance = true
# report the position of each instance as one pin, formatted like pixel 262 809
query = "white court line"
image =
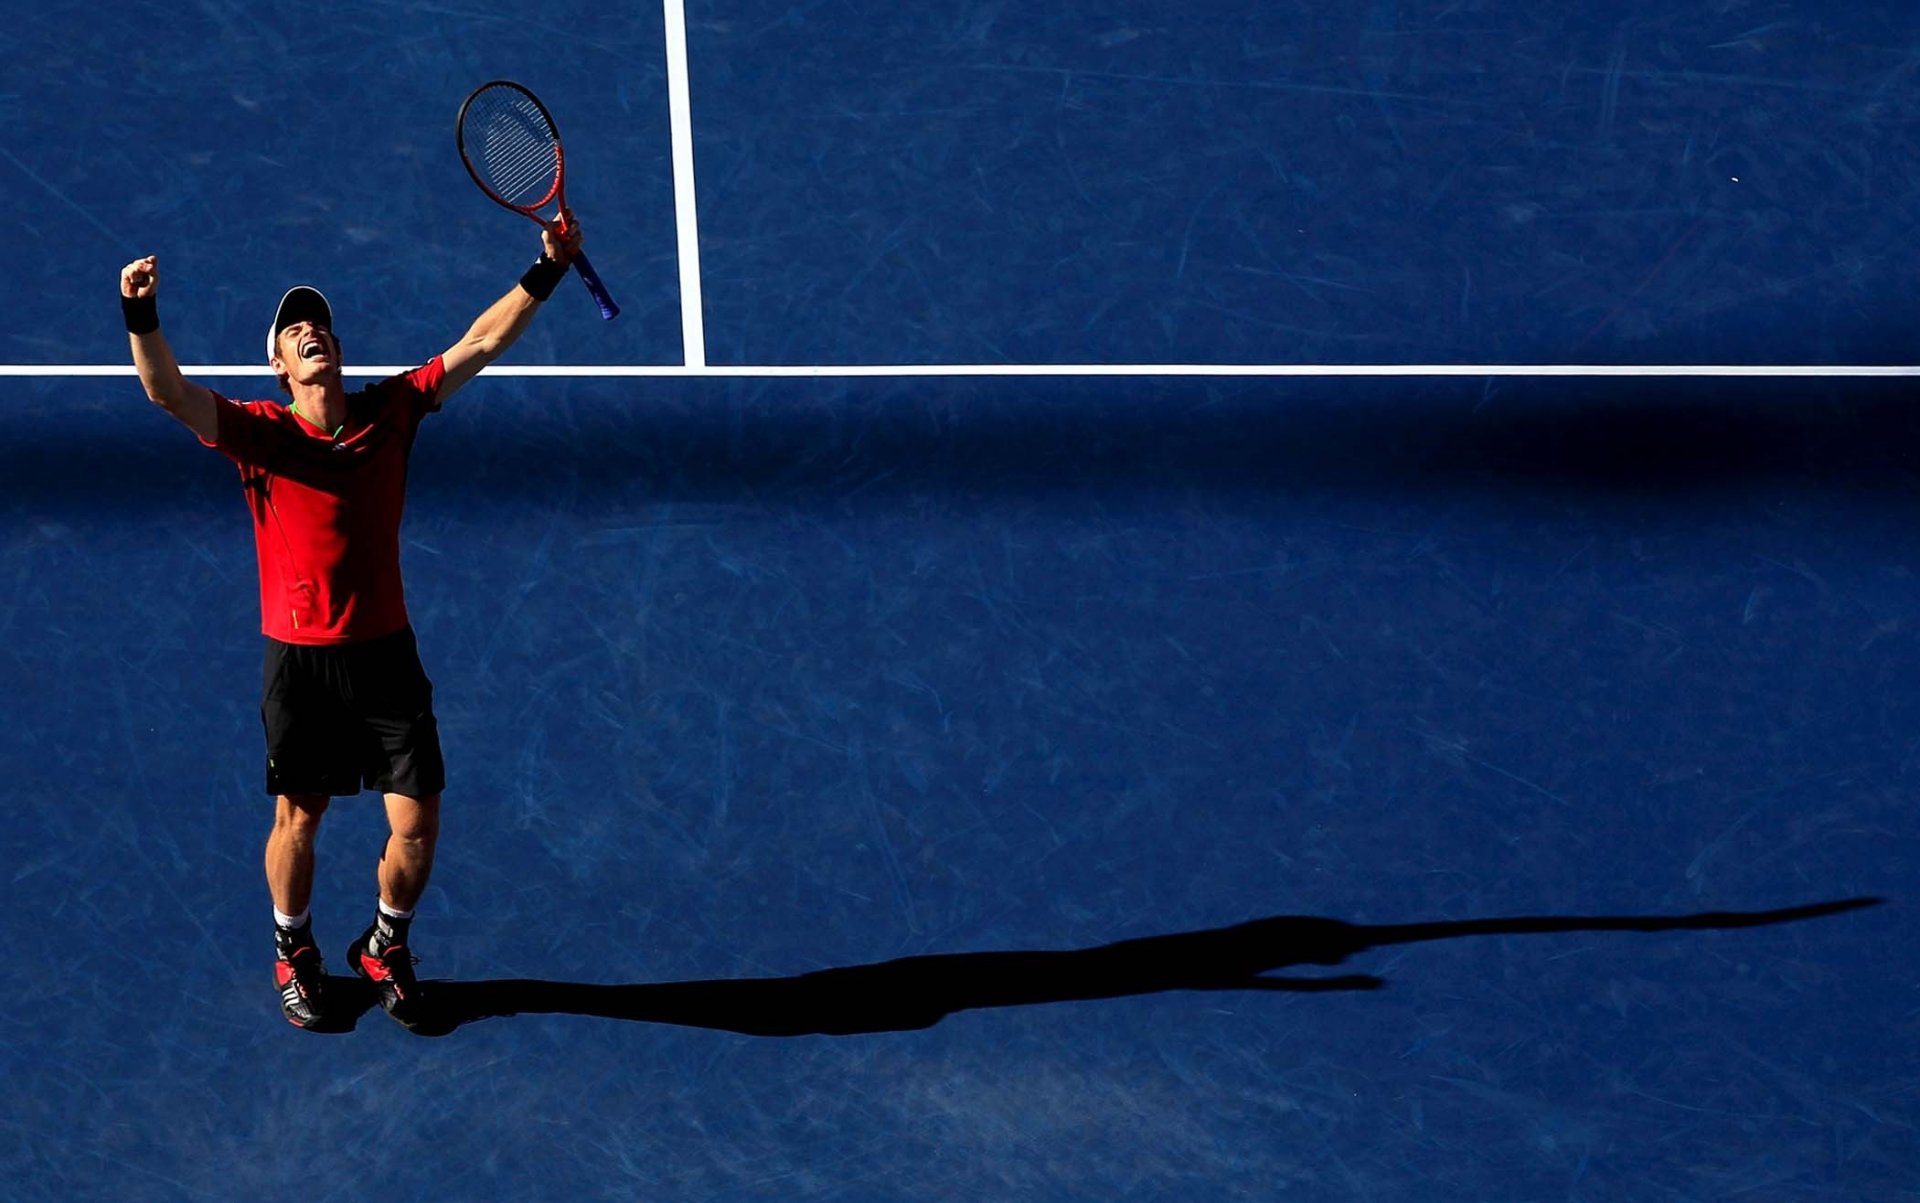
pixel 593 371
pixel 686 219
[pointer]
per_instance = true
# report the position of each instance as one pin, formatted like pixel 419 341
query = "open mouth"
pixel 312 348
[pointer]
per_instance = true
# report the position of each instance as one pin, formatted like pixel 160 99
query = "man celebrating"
pixel 346 704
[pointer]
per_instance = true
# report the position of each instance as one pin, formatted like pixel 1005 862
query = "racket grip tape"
pixel 591 279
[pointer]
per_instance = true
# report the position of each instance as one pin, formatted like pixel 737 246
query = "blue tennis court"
pixel 1226 601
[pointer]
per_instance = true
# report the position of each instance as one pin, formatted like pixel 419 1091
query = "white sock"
pixel 390 913
pixel 292 922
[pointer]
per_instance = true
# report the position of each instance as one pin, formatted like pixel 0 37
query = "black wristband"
pixel 142 314
pixel 542 277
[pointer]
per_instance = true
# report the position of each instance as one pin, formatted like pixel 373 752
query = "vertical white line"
pixel 693 333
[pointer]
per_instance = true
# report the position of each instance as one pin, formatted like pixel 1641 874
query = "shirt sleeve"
pixel 242 434
pixel 423 387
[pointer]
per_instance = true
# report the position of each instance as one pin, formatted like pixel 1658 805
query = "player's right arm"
pixel 153 359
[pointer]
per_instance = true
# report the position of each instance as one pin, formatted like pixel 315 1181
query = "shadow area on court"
pixel 879 446
pixel 874 443
pixel 915 993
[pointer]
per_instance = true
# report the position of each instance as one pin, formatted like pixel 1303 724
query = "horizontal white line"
pixel 833 371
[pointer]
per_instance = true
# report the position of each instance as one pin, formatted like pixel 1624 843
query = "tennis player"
pixel 346 704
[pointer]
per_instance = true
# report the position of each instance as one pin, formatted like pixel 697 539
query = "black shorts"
pixel 350 716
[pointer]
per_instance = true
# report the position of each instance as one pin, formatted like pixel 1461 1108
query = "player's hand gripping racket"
pixel 512 150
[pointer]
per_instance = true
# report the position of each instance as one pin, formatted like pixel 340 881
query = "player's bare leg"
pixel 407 861
pixel 296 824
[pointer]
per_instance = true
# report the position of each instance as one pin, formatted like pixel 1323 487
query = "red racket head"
pixel 511 147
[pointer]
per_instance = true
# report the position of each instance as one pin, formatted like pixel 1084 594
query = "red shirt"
pixel 326 510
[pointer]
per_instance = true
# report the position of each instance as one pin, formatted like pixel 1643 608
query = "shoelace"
pixel 381 954
pixel 288 951
pixel 306 962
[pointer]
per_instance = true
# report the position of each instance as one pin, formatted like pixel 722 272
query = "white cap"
pixel 302 303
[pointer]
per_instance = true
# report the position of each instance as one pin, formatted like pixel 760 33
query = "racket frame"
pixel 556 193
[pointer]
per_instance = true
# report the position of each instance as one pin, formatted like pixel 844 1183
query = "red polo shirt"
pixel 326 510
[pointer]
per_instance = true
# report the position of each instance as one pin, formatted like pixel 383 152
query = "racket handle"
pixel 591 279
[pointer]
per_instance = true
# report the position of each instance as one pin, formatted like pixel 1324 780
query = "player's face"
pixel 307 352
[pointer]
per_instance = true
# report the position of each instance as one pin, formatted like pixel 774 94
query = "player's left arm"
pixel 507 318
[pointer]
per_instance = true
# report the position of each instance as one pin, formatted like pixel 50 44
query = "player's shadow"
pixel 918 992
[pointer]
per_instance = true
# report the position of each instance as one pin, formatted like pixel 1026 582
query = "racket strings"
pixel 519 153
pixel 524 169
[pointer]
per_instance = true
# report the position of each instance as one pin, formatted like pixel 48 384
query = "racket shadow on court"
pixel 918 992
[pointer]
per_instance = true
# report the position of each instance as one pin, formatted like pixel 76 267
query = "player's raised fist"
pixel 139 278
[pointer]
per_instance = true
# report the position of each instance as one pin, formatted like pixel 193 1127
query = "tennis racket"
pixel 512 150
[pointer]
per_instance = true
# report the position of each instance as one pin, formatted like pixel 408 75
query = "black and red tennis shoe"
pixel 389 969
pixel 301 974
